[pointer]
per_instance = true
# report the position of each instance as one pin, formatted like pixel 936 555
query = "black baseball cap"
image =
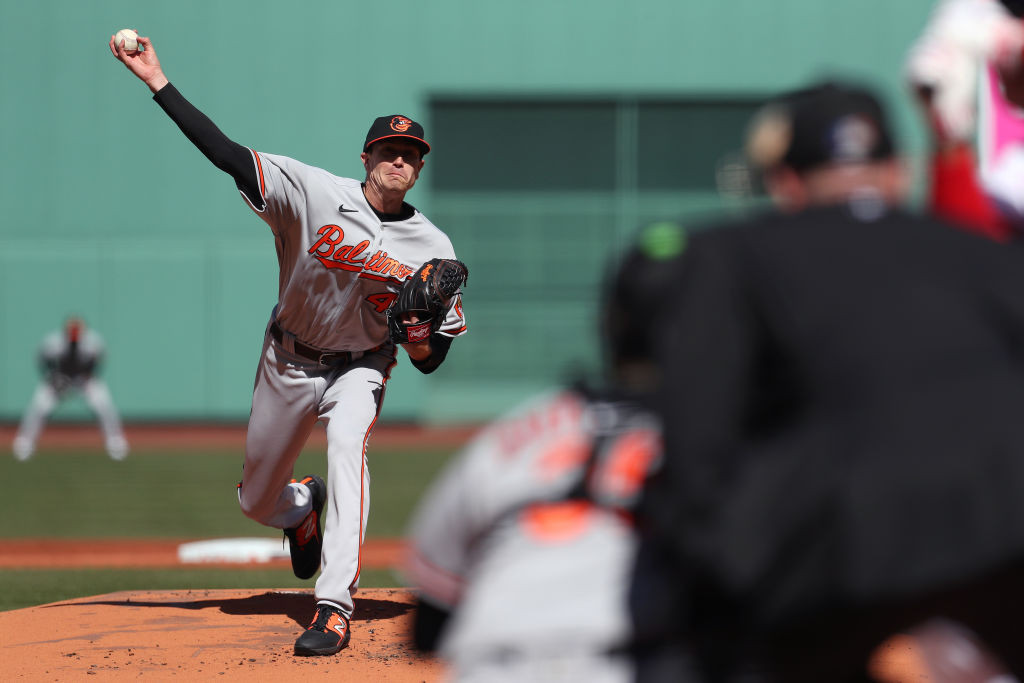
pixel 828 123
pixel 396 126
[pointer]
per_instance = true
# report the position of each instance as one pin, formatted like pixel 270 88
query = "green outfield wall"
pixel 558 128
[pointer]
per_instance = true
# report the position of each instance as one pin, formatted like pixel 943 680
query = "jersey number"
pixel 382 302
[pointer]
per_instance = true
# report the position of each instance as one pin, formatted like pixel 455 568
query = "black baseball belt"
pixel 319 355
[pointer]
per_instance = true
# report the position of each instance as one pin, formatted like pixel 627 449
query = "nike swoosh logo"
pixel 342 209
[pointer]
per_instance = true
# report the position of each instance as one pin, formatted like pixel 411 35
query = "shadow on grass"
pixel 296 605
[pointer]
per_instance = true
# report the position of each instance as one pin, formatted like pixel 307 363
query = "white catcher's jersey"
pixel 527 566
pixel 340 266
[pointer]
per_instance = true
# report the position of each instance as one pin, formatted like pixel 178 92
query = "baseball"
pixel 130 38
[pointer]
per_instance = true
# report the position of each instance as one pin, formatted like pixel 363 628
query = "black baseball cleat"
pixel 306 540
pixel 327 635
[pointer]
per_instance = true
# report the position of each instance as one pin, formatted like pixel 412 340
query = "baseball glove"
pixel 426 296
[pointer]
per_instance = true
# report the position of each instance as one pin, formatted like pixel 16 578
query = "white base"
pixel 233 550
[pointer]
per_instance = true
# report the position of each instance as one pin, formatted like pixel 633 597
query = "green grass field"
pixel 84 494
pixel 27 587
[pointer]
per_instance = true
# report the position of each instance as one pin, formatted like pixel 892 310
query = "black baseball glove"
pixel 426 295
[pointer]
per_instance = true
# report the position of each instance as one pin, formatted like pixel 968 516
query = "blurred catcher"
pixel 537 511
pixel 69 360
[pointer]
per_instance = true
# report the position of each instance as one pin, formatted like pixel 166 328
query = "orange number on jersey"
pixel 382 301
pixel 557 522
pixel 629 461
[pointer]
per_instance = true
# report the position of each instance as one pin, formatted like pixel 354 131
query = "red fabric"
pixel 957 196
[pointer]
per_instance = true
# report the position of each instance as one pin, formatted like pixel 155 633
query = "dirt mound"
pixel 230 635
pixel 209 634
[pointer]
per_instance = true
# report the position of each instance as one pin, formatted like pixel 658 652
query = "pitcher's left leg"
pixel 350 408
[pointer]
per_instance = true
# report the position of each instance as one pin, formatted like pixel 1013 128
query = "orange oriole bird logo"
pixel 400 124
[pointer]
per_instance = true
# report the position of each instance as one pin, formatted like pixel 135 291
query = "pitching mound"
pixel 209 634
pixel 247 635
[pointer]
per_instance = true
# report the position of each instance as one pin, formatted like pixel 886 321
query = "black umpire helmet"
pixel 633 299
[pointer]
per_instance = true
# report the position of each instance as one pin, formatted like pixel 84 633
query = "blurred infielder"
pixel 537 511
pixel 69 359
pixel 360 272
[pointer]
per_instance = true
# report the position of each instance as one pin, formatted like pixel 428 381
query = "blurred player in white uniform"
pixel 966 69
pixel 69 359
pixel 345 247
pixel 522 548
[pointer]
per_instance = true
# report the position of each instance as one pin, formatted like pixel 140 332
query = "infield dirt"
pixel 223 635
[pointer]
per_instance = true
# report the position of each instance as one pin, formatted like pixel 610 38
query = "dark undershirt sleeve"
pixel 227 155
pixel 439 345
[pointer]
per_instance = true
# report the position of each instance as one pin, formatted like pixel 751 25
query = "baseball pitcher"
pixel 361 273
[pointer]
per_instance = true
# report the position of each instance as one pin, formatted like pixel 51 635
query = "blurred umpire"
pixel 842 391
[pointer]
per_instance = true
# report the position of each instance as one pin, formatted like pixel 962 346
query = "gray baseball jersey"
pixel 535 574
pixel 341 266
